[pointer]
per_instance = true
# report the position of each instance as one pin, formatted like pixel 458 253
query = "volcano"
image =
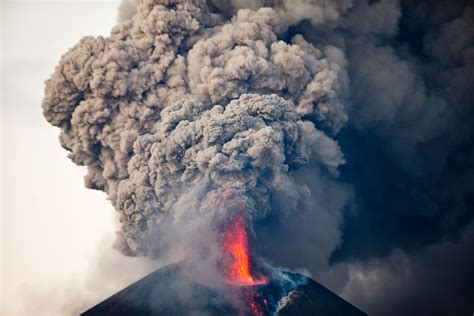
pixel 167 291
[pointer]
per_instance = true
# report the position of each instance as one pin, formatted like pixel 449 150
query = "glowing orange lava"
pixel 258 305
pixel 238 271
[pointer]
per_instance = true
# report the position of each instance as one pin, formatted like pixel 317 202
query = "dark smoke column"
pixel 185 118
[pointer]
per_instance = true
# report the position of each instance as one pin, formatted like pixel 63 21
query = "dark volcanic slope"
pixel 314 299
pixel 166 292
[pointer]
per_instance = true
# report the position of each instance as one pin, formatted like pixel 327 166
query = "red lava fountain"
pixel 238 270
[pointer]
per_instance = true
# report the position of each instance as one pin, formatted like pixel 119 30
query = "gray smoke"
pixel 183 116
pixel 191 112
pixel 291 12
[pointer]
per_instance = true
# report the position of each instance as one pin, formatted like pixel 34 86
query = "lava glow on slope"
pixel 235 243
pixel 238 270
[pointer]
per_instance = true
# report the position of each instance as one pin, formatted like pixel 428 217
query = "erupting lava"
pixel 238 270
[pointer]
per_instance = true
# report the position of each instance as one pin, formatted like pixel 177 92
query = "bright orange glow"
pixel 236 243
pixel 256 309
pixel 258 305
pixel 238 270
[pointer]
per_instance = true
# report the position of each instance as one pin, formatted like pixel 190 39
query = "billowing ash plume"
pixel 193 111
pixel 182 114
pixel 292 11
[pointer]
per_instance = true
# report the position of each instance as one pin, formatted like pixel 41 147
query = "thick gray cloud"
pixel 184 117
pixel 408 99
pixel 408 146
pixel 291 12
pixel 436 280
pixel 228 160
pixel 190 108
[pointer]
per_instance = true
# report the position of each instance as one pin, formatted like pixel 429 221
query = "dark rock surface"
pixel 166 292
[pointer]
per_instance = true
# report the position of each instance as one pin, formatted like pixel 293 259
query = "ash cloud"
pixel 185 118
pixel 291 12
pixel 411 283
pixel 408 147
pixel 343 128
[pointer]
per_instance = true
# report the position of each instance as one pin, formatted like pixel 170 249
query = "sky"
pixel 47 242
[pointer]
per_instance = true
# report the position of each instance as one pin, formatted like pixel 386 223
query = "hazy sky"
pixel 48 243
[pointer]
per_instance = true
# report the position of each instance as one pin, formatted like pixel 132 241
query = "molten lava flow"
pixel 258 304
pixel 238 271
